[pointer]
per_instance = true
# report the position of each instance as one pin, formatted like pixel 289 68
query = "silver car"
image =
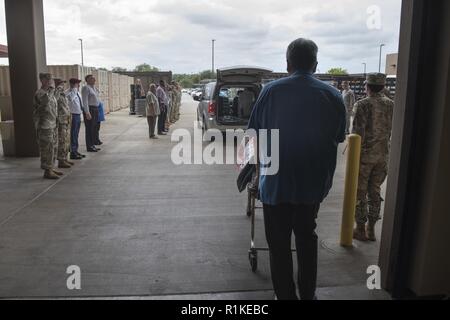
pixel 228 102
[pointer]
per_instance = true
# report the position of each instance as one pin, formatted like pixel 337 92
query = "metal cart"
pixel 252 193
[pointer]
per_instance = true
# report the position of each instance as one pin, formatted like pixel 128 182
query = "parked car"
pixel 228 102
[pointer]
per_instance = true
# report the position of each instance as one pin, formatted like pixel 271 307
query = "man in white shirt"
pixel 91 101
pixel 76 109
pixel 163 105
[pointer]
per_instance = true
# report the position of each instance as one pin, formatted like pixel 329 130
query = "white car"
pixel 196 94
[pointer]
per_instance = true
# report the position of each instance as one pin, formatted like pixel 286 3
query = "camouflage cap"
pixel 47 76
pixel 376 79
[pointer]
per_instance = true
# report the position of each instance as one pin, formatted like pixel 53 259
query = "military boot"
pixel 50 175
pixel 70 163
pixel 360 233
pixel 64 164
pixel 371 231
pixel 58 173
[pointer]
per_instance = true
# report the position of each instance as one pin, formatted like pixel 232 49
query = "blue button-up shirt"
pixel 75 102
pixel 311 118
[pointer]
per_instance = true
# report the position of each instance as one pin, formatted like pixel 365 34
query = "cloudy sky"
pixel 176 35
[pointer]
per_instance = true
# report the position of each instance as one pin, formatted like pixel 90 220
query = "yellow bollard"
pixel 351 190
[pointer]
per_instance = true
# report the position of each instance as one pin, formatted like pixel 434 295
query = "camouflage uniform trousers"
pixel 172 110
pixel 177 111
pixel 174 113
pixel 63 139
pixel 48 147
pixel 349 116
pixel 169 114
pixel 372 175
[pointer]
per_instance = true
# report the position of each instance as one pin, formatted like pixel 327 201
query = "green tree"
pixel 207 74
pixel 337 72
pixel 186 83
pixel 196 78
pixel 189 80
pixel 145 67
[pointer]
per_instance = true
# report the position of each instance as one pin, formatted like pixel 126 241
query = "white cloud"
pixel 176 35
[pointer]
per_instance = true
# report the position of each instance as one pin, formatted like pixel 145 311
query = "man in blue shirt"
pixel 311 118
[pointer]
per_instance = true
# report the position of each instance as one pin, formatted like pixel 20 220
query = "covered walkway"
pixel 139 226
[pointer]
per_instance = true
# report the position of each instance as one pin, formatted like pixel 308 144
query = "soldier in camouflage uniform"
pixel 45 115
pixel 175 102
pixel 175 107
pixel 373 122
pixel 387 93
pixel 63 122
pixel 178 102
pixel 349 100
pixel 173 98
pixel 169 93
pixel 171 105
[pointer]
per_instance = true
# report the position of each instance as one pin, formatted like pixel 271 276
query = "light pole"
pixel 213 47
pixel 365 68
pixel 82 58
pixel 381 51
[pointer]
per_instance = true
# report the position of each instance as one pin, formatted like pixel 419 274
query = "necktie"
pixel 79 99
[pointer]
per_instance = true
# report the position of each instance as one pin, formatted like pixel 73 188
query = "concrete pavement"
pixel 139 226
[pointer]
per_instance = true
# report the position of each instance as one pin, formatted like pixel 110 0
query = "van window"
pixel 235 104
pixel 208 92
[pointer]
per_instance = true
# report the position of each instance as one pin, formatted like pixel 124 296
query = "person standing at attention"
pixel 91 101
pixel 76 109
pixel 45 117
pixel 349 100
pixel 163 100
pixel 152 110
pixel 64 119
pixel 373 122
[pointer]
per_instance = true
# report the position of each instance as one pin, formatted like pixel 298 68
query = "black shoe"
pixel 81 155
pixel 162 134
pixel 99 143
pixel 75 157
pixel 92 150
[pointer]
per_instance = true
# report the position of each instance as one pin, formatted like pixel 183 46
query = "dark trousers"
pixel 151 125
pixel 75 133
pixel 280 221
pixel 97 133
pixel 91 127
pixel 162 120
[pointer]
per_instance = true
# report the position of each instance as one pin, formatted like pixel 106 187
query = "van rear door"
pixel 242 74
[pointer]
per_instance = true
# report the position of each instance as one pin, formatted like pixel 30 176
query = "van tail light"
pixel 212 108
